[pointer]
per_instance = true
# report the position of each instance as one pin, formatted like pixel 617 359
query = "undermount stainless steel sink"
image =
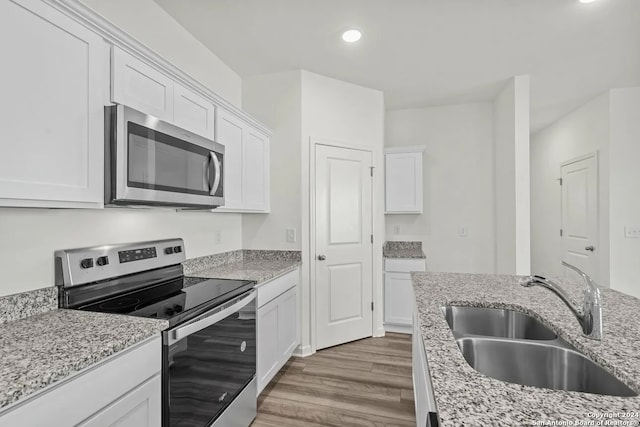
pixel 495 323
pixel 511 346
pixel 539 364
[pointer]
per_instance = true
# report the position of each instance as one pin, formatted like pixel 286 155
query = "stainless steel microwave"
pixel 149 162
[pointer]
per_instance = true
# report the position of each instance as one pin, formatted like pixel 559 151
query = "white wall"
pixel 334 110
pixel 154 27
pixel 584 131
pixel 624 181
pixel 276 100
pixel 511 159
pixel 28 237
pixel 457 185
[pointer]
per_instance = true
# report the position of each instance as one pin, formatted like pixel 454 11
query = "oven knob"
pixel 177 308
pixel 86 263
pixel 168 250
pixel 177 249
pixel 169 311
pixel 103 260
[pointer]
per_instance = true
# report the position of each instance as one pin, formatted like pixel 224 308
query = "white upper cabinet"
pixel 193 112
pixel 139 86
pixel 255 155
pixel 246 164
pixel 55 85
pixel 403 180
pixel 142 87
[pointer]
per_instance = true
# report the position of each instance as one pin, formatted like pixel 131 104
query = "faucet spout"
pixel 590 316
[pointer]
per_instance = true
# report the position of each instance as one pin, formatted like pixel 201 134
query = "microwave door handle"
pixel 199 325
pixel 209 175
pixel 216 181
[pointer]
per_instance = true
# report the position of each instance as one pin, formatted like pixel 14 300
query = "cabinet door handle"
pixel 589 248
pixel 321 257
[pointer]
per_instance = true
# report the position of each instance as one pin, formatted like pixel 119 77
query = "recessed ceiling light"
pixel 351 36
pixel 587 1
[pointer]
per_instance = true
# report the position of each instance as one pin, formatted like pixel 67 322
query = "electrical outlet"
pixel 396 229
pixel 291 235
pixel 631 232
pixel 463 231
pixel 218 236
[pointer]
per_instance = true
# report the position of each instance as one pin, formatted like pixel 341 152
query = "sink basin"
pixel 539 364
pixel 495 323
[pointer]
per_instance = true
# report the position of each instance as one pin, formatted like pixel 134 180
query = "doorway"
pixel 579 235
pixel 342 252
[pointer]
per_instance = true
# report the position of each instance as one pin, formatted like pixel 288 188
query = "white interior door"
pixel 580 214
pixel 343 245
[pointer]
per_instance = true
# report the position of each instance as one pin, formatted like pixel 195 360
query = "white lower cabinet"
pixel 277 325
pixel 398 293
pixel 124 391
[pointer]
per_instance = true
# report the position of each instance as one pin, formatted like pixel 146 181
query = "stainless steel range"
pixel 209 349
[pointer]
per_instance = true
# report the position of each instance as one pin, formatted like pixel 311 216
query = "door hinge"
pixel 371 168
pixel 561 232
pixel 372 239
pixel 371 305
pixel 560 181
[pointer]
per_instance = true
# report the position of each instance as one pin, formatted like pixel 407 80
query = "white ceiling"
pixel 431 52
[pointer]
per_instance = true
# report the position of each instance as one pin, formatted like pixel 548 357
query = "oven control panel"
pixel 86 265
pixel 137 254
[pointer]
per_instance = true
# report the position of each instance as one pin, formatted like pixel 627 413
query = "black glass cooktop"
pixel 174 300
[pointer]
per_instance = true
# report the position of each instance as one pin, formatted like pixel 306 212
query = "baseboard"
pixel 379 332
pixel 398 329
pixel 303 351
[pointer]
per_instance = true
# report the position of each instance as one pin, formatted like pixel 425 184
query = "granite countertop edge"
pixel 466 397
pixel 31 363
pixel 258 272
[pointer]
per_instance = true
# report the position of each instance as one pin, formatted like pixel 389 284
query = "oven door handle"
pixel 191 328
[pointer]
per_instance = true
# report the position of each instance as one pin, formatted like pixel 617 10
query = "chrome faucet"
pixel 590 317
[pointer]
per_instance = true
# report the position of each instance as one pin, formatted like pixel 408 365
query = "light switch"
pixel 291 235
pixel 462 231
pixel 631 232
pixel 218 236
pixel 396 229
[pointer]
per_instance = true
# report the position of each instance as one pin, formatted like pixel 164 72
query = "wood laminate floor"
pixel 362 383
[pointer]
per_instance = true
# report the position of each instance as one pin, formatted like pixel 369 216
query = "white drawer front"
pixel 404 265
pixel 277 286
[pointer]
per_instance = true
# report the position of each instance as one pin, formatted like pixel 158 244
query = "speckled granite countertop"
pixel 403 250
pixel 256 265
pixel 40 350
pixel 467 397
pixel 257 271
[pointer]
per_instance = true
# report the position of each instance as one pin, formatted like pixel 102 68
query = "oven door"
pixel 155 163
pixel 209 367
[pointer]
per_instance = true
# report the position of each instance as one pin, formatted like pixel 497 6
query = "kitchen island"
pixel 466 397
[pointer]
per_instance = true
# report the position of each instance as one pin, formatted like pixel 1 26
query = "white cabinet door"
pixel 256 171
pixel 54 78
pixel 403 182
pixel 398 298
pixel 246 164
pixel 192 112
pixel 229 132
pixel 138 85
pixel 288 323
pixel 141 407
pixel 268 354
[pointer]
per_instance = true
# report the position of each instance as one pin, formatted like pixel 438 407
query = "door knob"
pixel 590 248
pixel 321 257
